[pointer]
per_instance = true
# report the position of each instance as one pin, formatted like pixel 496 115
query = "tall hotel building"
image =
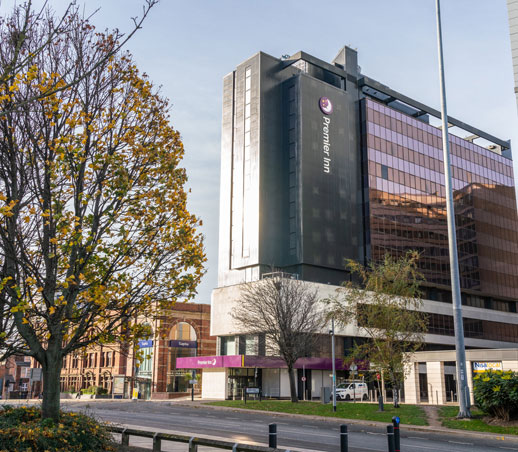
pixel 321 163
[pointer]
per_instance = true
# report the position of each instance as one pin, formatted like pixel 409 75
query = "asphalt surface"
pixel 292 432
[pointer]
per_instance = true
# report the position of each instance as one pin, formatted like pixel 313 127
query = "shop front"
pixel 227 377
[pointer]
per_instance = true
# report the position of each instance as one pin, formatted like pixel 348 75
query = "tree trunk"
pixel 51 388
pixel 293 388
pixel 395 390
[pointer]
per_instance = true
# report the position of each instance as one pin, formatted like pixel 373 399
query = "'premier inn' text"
pixel 325 143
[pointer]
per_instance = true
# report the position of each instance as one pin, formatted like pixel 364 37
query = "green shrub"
pixel 22 429
pixel 97 390
pixel 496 393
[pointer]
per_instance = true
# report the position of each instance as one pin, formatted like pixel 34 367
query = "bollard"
pixel 390 438
pixel 344 440
pixel 397 441
pixel 192 447
pixel 272 436
pixel 124 438
pixel 157 443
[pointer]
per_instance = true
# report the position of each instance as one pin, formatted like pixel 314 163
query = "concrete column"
pixel 469 371
pixel 436 387
pixel 412 383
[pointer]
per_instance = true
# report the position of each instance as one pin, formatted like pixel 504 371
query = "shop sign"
pixel 145 344
pixel 485 366
pixel 183 344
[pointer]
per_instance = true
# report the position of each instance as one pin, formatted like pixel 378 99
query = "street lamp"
pixel 463 389
pixel 332 333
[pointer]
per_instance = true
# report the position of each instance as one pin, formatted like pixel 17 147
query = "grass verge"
pixel 409 414
pixel 448 414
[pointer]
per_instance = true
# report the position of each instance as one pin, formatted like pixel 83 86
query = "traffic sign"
pixel 378 376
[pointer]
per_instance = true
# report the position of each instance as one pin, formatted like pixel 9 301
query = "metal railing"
pixel 393 438
pixel 192 441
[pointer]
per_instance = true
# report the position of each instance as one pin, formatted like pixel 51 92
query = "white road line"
pixel 507 448
pixel 425 447
pixel 460 442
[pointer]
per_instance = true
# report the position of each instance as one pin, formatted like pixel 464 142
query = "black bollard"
pixel 397 441
pixel 390 438
pixel 272 436
pixel 344 442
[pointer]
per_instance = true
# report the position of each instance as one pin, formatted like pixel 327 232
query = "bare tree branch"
pixel 288 313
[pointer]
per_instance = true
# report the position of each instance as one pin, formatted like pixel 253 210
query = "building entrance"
pixel 304 385
pixel 241 378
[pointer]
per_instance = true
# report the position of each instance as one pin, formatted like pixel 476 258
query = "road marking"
pixel 460 442
pixel 374 433
pixel 508 448
pixel 427 447
pixel 414 437
pixel 298 432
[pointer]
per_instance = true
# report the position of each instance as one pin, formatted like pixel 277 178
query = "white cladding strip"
pixel 512 6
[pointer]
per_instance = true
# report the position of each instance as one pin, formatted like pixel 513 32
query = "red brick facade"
pixel 101 363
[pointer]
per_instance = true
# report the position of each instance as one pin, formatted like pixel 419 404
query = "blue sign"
pixel 183 344
pixel 145 344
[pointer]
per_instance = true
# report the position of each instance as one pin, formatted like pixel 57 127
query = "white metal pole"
pixel 464 408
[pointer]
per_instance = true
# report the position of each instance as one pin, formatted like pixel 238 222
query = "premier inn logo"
pixel 325 105
pixel 327 108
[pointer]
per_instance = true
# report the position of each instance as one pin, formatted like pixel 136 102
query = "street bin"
pixel 325 394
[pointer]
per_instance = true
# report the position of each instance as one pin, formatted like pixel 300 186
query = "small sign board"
pixel 36 373
pixel 485 366
pixel 183 344
pixel 145 343
pixel 252 390
pixel 118 385
pixel 193 382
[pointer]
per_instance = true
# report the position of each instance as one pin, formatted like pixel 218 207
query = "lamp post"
pixel 463 390
pixel 332 333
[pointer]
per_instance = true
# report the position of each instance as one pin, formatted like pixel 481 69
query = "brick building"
pixel 184 332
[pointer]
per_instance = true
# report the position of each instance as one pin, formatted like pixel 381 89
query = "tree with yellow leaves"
pixel 94 228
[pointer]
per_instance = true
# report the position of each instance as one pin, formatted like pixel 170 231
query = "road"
pixel 292 432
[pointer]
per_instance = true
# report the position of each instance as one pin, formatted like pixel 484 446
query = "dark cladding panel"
pixel 328 175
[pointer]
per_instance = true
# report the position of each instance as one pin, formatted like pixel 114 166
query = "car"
pixel 352 391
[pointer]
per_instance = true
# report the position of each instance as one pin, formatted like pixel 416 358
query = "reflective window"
pixel 408 208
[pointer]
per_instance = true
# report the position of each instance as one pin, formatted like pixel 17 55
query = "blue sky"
pixel 188 46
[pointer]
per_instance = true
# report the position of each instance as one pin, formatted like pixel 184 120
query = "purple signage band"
pixel 201 362
pixel 266 362
pixel 183 344
pixel 325 105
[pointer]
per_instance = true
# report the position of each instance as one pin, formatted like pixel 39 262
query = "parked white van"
pixel 351 391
